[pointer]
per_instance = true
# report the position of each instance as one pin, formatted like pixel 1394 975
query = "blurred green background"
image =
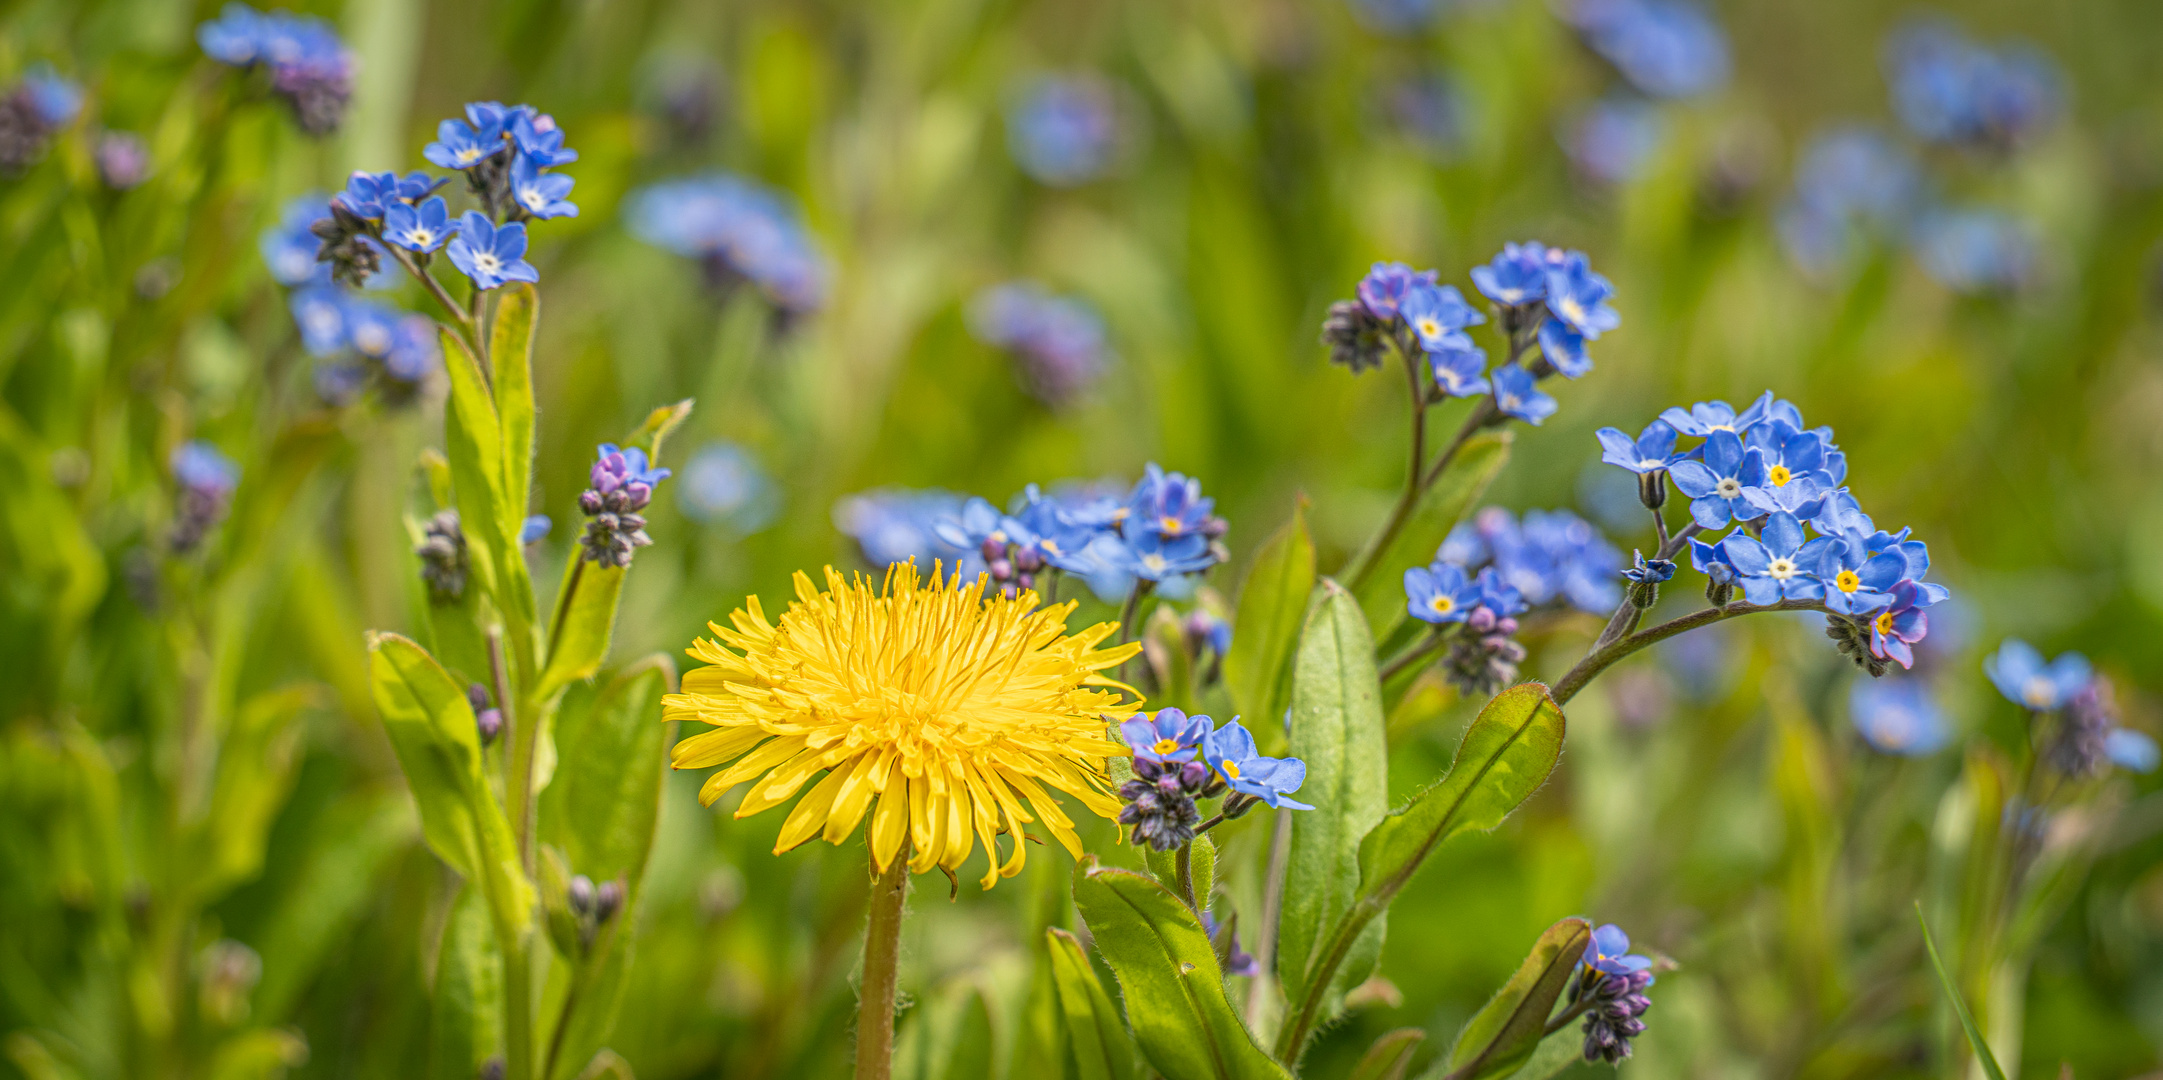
pixel 1727 814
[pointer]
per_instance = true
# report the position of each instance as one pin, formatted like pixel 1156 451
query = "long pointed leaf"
pixel 1169 977
pixel 510 354
pixel 1337 729
pixel 1390 1054
pixel 1960 1006
pixel 1503 1035
pixel 1101 1047
pixel 1272 607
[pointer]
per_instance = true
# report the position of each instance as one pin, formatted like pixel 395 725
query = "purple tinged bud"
pixel 1482 620
pixel 1001 569
pixel 489 723
pixel 608 900
pixel 582 896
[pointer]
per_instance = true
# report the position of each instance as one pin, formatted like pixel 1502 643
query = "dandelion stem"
pixel 1604 654
pixel 882 955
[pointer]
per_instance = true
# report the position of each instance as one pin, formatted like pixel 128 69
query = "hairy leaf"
pixel 1388 1058
pixel 1272 607
pixel 1169 977
pixel 1503 1035
pixel 1097 1038
pixel 1337 729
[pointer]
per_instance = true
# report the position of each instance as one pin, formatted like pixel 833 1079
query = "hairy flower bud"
pixel 442 552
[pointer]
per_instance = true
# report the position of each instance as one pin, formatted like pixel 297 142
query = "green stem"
pixel 1293 1040
pixel 1604 656
pixel 1142 587
pixel 518 1010
pixel 563 604
pixel 1414 655
pixel 1185 863
pixel 882 955
pixel 1563 1018
pixel 435 288
pixel 563 1024
pixel 522 728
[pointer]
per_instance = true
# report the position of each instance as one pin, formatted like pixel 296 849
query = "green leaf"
pixel 601 807
pixel 473 441
pixel 1506 755
pixel 360 836
pixel 1453 495
pixel 584 622
pixel 657 427
pixel 1165 865
pixel 1960 1005
pixel 946 1036
pixel 1272 607
pixel 1169 977
pixel 431 728
pixel 467 1008
pixel 1556 1053
pixel 510 355
pixel 1389 1056
pixel 1101 1047
pixel 1337 729
pixel 1503 1035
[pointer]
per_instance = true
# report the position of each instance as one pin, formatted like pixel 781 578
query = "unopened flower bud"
pixel 1652 489
pixel 607 900
pixel 582 896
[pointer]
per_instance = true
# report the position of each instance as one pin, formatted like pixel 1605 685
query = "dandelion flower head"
pixel 929 706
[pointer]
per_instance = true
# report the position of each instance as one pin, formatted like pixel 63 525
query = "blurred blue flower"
pixel 1948 88
pixel 1613 139
pixel 723 485
pixel 310 67
pixel 289 247
pixel 739 230
pixel 1610 952
pixel 1976 250
pixel 1395 16
pixel 1170 735
pixel 1063 130
pixel 1429 111
pixel 1440 593
pixel 1518 275
pixel 1715 484
pixel 1518 394
pixel 1460 372
pixel 319 312
pixel 201 466
pixel 1157 556
pixel 1230 751
pixel 1499 596
pixel 1776 565
pixel 1387 284
pixel 1851 181
pixel 1551 556
pixel 2020 673
pixel 2132 750
pixel 1666 48
pixel 540 194
pixel 488 254
pixel 1168 504
pixel 1578 297
pixel 534 529
pixel 427 227
pixel 123 159
pixel 1652 450
pixel 53 98
pixel 1059 341
pixel 366 193
pixel 893 525
pixel 1898 716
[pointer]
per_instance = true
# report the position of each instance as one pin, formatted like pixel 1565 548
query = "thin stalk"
pixel 518 1010
pixel 1142 587
pixel 1673 545
pixel 524 736
pixel 1483 415
pixel 1427 647
pixel 882 955
pixel 1604 656
pixel 1185 863
pixel 563 1023
pixel 435 288
pixel 1562 1019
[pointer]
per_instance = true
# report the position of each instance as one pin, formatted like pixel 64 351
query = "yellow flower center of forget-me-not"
pixel 1729 488
pixel 1172 526
pixel 2039 692
pixel 1430 328
pixel 1884 622
pixel 1779 475
pixel 1442 604
pixel 1846 581
pixel 1165 746
pixel 1231 770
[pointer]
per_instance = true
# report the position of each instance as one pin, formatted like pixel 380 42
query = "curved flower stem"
pixel 1433 642
pixel 1670 546
pixel 1562 1019
pixel 1142 588
pixel 435 288
pixel 1369 557
pixel 882 956
pixel 1604 656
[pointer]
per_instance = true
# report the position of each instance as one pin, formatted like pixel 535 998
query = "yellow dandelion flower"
pixel 933 709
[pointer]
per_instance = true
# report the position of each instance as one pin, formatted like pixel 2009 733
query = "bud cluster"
pixel 205 480
pixel 2081 746
pixel 622 486
pixel 487 719
pixel 1612 1019
pixel 1355 336
pixel 442 552
pixel 1160 801
pixel 593 906
pixel 1012 566
pixel 1852 638
pixel 1483 657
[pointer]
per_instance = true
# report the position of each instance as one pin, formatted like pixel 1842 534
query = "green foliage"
pixel 1448 501
pixel 431 725
pixel 1968 1027
pixel 1337 730
pixel 1503 1035
pixel 1272 608
pixel 1168 977
pixel 1096 1038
